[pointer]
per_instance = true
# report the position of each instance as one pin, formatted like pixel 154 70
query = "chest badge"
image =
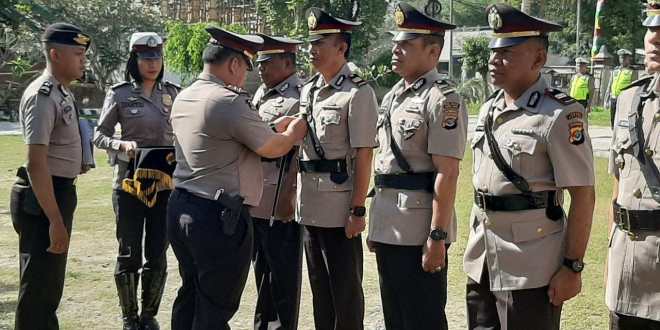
pixel 134 111
pixel 167 100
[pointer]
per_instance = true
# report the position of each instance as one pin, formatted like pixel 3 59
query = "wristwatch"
pixel 358 211
pixel 438 234
pixel 574 264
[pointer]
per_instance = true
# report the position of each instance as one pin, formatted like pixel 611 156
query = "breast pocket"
pixel 521 150
pixel 411 132
pixel 329 126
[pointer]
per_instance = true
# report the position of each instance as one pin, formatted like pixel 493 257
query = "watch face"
pixel 359 211
pixel 438 234
pixel 578 266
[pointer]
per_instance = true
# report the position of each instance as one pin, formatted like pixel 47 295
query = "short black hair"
pixel 132 71
pixel 345 37
pixel 430 39
pixel 542 41
pixel 216 54
pixel 291 57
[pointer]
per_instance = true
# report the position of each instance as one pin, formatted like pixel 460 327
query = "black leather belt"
pixel 323 166
pixel 409 181
pixel 513 202
pixel 636 220
pixel 58 181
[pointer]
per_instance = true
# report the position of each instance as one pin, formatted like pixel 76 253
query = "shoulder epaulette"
pixel 45 88
pixel 356 79
pixel 445 86
pixel 643 82
pixel 169 83
pixel 559 96
pixel 123 83
pixel 236 90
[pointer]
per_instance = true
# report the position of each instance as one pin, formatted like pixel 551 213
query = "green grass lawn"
pixel 90 300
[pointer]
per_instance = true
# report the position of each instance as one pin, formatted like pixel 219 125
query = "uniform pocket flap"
pixel 325 184
pixel 414 200
pixel 332 118
pixel 521 145
pixel 528 231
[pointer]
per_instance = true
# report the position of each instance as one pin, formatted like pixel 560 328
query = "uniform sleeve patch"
pixel 450 114
pixel 574 115
pixel 576 133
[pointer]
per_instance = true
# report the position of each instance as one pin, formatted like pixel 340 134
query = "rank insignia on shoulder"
pixel 167 82
pixel 45 88
pixel 284 87
pixel 450 114
pixel 445 86
pixel 560 96
pixel 356 79
pixel 576 133
pixel 123 83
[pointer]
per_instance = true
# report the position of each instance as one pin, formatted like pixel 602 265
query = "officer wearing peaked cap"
pixel 277 256
pixel 141 106
pixel 632 291
pixel 43 199
pixel 218 141
pixel 422 131
pixel 582 84
pixel 621 77
pixel 335 166
pixel 524 254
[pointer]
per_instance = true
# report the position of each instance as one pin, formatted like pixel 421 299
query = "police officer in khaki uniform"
pixel 524 255
pixel 277 254
pixel 582 84
pixel 43 199
pixel 218 176
pixel 335 170
pixel 422 130
pixel 633 288
pixel 141 106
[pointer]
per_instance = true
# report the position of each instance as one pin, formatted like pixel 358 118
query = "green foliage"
pixel 473 90
pixel 476 53
pixel 185 45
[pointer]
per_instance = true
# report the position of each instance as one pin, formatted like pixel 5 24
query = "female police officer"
pixel 141 105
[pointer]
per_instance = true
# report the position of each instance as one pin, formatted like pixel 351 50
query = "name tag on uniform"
pixel 623 123
pixel 331 107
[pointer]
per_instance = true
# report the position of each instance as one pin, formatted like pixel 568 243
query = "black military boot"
pixel 127 291
pixel 153 283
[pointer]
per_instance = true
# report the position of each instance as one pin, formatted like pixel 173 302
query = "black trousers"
pixel 612 111
pixel 41 272
pixel 213 265
pixel 509 310
pixel 277 263
pixel 134 221
pixel 627 322
pixel 412 298
pixel 334 265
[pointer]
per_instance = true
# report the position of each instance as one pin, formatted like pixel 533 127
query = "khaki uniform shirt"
pixel 544 140
pixel 48 116
pixel 281 100
pixel 428 118
pixel 633 284
pixel 215 135
pixel 345 116
pixel 145 120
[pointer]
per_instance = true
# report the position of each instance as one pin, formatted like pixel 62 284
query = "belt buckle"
pixel 481 199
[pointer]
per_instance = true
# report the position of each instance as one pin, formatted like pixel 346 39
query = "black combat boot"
pixel 127 291
pixel 153 283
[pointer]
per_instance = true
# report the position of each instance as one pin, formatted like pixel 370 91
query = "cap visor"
pixel 150 55
pixel 506 42
pixel 403 36
pixel 652 21
pixel 316 37
pixel 263 58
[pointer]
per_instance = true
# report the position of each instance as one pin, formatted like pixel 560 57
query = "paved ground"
pixel 600 135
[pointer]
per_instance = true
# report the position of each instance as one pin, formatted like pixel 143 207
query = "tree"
pixel 108 22
pixel 476 54
pixel 185 45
